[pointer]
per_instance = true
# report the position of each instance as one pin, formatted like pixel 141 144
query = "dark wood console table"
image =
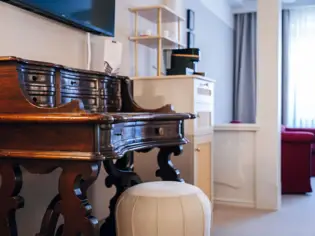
pixel 53 117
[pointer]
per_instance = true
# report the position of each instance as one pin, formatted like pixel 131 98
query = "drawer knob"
pixel 197 149
pixel 73 82
pixel 161 131
pixel 34 77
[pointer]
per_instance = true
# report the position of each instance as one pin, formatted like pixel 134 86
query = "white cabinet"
pixel 193 94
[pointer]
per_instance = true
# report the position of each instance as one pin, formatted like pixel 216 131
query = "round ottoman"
pixel 163 208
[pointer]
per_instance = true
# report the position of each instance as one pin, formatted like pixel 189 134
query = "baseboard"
pixel 234 202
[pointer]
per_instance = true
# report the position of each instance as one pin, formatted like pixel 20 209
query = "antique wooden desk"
pixel 53 117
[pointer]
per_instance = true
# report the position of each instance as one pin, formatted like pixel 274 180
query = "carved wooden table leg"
pixel 120 175
pixel 167 171
pixel 72 202
pixel 11 184
pixel 50 219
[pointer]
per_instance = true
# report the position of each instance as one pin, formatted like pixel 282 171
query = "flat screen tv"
pixel 96 16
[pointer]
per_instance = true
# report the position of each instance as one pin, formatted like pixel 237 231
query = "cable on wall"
pixel 89 51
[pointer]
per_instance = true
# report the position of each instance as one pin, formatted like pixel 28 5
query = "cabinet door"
pixel 203 165
pixel 203 124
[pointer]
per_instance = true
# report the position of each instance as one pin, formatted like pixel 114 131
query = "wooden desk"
pixel 53 117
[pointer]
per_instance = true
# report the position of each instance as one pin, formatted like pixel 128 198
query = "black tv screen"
pixel 96 16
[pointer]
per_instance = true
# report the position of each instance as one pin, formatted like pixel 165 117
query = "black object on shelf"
pixel 190 40
pixel 183 61
pixel 190 19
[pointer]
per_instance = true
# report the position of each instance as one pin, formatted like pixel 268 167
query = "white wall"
pixel 221 9
pixel 267 166
pixel 234 164
pixel 268 161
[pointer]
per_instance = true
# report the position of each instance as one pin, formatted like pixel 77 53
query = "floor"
pixel 297 217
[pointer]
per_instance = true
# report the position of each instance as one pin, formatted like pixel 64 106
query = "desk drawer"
pixel 43 101
pixel 203 123
pixel 40 94
pixel 78 82
pixel 110 104
pixel 37 75
pixel 110 86
pixel 90 102
pixel 203 91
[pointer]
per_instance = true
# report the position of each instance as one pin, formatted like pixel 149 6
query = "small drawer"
pixel 109 104
pixel 121 133
pixel 39 89
pixel 114 91
pixel 36 74
pixel 203 90
pixel 42 77
pixel 43 101
pixel 110 86
pixel 78 82
pixel 91 103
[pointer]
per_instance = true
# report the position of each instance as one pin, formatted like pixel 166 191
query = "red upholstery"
pixel 235 122
pixel 296 161
pixel 309 130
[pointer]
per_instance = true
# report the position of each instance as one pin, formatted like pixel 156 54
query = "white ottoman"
pixel 163 208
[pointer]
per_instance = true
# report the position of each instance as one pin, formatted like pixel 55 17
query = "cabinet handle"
pixel 204 85
pixel 197 149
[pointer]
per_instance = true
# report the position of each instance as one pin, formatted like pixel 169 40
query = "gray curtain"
pixel 244 78
pixel 285 65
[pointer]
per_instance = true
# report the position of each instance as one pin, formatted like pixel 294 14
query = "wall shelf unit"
pixel 157 14
pixel 151 41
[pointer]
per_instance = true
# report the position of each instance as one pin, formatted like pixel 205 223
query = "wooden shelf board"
pixel 151 41
pixel 150 13
pixel 173 77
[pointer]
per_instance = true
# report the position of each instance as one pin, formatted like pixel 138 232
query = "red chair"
pixel 309 130
pixel 235 122
pixel 296 160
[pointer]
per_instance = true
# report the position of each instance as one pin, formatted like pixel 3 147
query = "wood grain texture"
pixel 52 137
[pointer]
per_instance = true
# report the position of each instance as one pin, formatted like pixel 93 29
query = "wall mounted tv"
pixel 96 16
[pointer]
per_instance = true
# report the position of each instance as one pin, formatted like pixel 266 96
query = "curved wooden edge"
pixel 64 117
pixel 49 64
pixel 51 155
pixel 129 105
pixel 96 118
pixel 119 152
pixel 73 106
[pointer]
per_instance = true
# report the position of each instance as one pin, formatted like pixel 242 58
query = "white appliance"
pixel 112 56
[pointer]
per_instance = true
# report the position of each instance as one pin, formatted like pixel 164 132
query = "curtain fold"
pixel 244 78
pixel 299 68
